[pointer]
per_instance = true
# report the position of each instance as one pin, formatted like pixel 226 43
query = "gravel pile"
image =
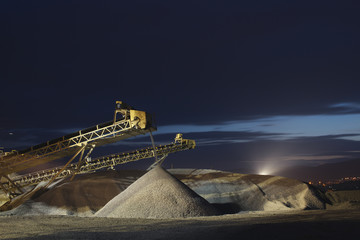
pixel 82 197
pixel 234 192
pixel 157 194
pixel 343 199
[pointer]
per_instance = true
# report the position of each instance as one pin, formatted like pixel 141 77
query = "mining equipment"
pixel 80 144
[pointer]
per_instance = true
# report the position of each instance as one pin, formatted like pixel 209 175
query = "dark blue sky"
pixel 258 84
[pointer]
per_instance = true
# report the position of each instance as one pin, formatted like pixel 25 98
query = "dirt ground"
pixel 311 224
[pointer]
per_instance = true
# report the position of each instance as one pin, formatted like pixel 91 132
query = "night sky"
pixel 260 85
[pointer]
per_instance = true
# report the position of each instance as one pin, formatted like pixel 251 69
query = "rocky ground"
pixel 297 224
pixel 168 204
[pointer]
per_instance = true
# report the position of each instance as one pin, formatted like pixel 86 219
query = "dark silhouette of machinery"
pixel 80 144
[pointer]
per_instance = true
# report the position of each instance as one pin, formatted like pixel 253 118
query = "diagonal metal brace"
pixel 64 167
pixel 81 161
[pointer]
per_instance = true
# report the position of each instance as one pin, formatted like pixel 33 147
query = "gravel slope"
pixel 234 192
pixel 157 194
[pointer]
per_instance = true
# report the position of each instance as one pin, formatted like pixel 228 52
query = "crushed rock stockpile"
pixel 83 196
pixel 343 199
pixel 228 192
pixel 234 192
pixel 157 194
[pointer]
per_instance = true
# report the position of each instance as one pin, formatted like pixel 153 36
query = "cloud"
pixel 347 107
pixel 281 127
pixel 311 158
pixel 271 128
pixel 277 129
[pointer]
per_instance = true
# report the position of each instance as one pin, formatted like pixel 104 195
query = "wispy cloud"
pixel 347 107
pixel 311 158
pixel 340 126
pixel 282 127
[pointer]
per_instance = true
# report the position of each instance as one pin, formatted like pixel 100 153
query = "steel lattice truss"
pixel 62 147
pixel 98 164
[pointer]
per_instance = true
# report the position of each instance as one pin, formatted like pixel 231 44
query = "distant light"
pixel 11 133
pixel 263 173
pixel 267 168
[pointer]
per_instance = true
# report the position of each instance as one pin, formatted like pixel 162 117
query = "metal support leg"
pixel 153 145
pixel 72 159
pixel 81 160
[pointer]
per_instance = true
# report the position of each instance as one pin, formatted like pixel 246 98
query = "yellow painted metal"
pixel 138 118
pixel 68 145
pixel 104 162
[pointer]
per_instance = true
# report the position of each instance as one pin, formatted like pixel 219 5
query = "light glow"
pixel 264 172
pixel 269 167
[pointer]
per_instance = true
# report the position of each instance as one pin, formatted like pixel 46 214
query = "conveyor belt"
pixel 104 162
pixel 132 124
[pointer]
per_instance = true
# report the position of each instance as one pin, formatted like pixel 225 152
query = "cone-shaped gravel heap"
pixel 157 194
